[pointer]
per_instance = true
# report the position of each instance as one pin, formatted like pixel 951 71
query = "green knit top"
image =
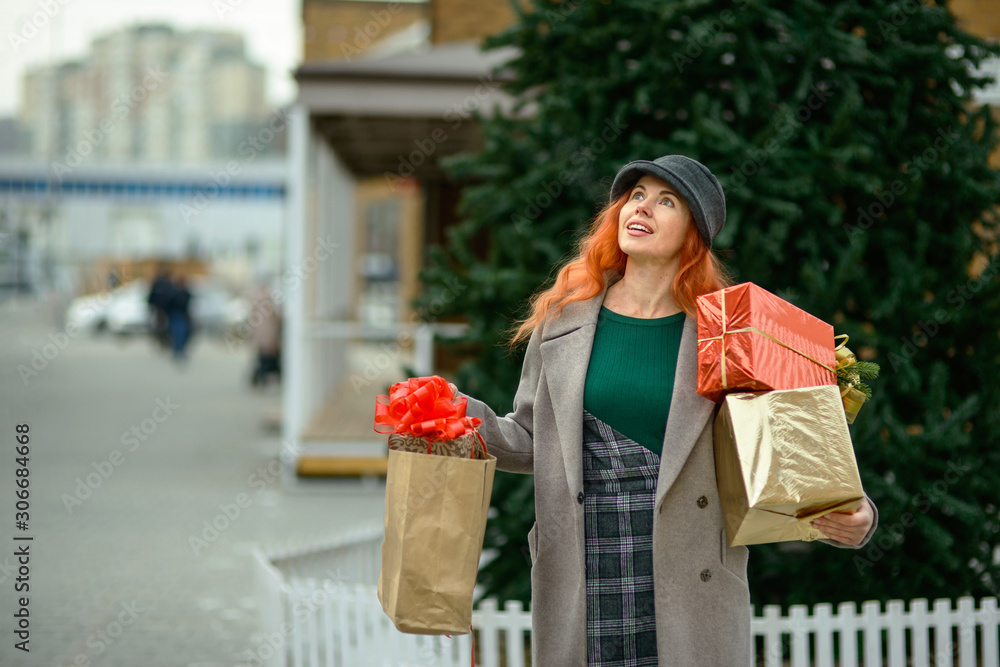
pixel 630 378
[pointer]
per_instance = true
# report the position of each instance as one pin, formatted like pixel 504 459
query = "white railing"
pixel 893 637
pixel 318 608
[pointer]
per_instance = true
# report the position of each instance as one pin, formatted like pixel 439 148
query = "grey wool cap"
pixel 693 180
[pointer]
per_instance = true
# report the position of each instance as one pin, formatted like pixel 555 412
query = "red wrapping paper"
pixel 759 330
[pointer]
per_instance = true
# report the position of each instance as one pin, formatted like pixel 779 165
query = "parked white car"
pixel 128 312
pixel 124 310
pixel 116 310
pixel 214 310
pixel 88 313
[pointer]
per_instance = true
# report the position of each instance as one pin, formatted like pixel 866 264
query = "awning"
pixel 399 113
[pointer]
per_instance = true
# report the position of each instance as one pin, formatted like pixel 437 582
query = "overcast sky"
pixel 272 29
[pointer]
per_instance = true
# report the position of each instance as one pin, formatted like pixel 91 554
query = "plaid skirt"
pixel 619 483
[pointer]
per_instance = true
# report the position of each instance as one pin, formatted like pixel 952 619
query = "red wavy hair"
pixel 583 277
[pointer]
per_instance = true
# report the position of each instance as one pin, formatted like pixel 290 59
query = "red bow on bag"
pixel 423 407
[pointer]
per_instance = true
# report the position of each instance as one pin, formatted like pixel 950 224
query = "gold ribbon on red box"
pixel 726 331
pixel 752 340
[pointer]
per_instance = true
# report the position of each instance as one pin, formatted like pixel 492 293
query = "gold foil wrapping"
pixel 782 459
pixel 461 447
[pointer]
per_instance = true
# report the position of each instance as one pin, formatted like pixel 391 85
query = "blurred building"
pixel 13 138
pixel 55 232
pixel 982 18
pixel 386 90
pixel 146 93
pixel 157 143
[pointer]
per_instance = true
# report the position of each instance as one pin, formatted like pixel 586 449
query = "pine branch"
pixel 852 376
pixel 866 369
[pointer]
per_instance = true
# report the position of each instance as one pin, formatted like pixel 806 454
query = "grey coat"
pixel 702 599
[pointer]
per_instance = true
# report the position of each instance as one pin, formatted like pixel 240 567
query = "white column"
pixel 293 358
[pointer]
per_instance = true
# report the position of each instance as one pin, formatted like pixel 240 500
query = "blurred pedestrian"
pixel 159 294
pixel 177 309
pixel 265 336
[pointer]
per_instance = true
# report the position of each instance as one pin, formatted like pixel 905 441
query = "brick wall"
pixel 465 20
pixel 459 20
pixel 344 29
pixel 979 17
pixel 335 28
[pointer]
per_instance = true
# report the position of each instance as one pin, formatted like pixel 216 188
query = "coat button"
pixel 702 502
pixel 706 575
pixel 579 498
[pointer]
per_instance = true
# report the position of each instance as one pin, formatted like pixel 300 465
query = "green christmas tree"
pixel 855 166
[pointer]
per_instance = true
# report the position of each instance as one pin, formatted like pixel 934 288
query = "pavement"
pixel 150 483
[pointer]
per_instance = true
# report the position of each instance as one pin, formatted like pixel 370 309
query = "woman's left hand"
pixel 847 528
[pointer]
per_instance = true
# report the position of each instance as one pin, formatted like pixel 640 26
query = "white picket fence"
pixel 319 608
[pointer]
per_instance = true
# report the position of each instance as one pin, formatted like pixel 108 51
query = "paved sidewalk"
pixel 114 576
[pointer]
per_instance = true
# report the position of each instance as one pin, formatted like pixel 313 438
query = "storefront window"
pixel 379 263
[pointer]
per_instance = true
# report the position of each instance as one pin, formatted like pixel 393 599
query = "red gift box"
pixel 751 340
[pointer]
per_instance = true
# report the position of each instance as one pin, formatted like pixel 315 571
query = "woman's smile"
pixel 637 228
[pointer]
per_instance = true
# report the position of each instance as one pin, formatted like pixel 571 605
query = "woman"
pixel 630 561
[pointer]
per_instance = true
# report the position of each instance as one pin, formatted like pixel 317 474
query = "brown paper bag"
pixel 782 459
pixel 435 520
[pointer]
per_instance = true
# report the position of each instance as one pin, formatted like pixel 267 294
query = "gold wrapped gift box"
pixel 782 459
pixel 461 447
